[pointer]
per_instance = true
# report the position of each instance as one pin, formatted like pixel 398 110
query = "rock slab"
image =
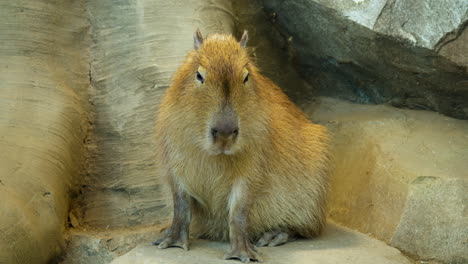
pixel 336 245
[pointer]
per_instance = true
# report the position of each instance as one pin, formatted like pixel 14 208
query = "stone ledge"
pixel 336 245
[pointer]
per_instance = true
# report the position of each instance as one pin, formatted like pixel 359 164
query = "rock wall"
pixel 43 124
pixel 399 52
pixel 136 47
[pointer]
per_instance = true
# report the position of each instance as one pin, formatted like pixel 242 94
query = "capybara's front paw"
pixel 172 239
pixel 244 253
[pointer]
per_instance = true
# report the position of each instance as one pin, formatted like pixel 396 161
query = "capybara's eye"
pixel 246 78
pixel 200 78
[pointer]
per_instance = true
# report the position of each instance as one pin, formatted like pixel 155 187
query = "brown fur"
pixel 279 157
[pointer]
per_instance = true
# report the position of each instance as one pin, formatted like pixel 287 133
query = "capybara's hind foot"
pixel 274 238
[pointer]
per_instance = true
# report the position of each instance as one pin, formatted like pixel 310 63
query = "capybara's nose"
pixel 225 130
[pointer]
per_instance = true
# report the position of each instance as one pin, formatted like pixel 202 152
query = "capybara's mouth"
pixel 217 150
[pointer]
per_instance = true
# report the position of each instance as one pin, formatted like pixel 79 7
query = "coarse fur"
pixel 278 164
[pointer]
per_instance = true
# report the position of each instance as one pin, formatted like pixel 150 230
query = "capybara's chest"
pixel 207 179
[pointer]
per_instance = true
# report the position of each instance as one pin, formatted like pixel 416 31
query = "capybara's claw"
pixel 171 241
pixel 245 254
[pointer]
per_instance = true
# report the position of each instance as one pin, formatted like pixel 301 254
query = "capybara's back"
pixel 241 158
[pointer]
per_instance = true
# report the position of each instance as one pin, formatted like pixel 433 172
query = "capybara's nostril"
pixel 225 130
pixel 214 132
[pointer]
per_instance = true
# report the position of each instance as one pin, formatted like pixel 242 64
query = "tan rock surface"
pixel 379 152
pixel 44 117
pixel 337 245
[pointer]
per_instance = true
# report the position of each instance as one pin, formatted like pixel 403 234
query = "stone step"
pixel 336 245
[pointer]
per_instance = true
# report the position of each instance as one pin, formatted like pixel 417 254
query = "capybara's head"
pixel 219 93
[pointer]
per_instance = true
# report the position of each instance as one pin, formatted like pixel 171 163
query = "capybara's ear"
pixel 197 39
pixel 244 39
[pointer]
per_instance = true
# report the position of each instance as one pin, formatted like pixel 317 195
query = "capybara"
pixel 243 162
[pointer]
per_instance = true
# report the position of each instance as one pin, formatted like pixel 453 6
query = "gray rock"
pixel 423 23
pixel 363 12
pixel 434 223
pixel 455 46
pixel 101 247
pixel 350 50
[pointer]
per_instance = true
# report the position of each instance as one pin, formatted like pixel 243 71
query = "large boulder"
pixel 400 175
pixel 44 114
pixel 405 53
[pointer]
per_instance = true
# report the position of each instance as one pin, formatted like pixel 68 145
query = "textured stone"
pixel 380 153
pixel 364 12
pixel 336 48
pixel 102 246
pixel 44 114
pixel 455 46
pixel 337 245
pixel 423 23
pixel 434 223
